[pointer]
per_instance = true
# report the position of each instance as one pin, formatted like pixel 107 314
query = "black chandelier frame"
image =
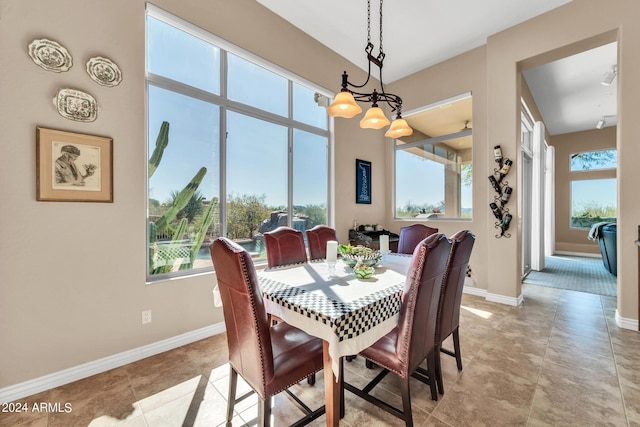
pixel 392 100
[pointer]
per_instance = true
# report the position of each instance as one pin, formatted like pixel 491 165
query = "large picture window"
pixel 593 201
pixel 237 147
pixel 433 167
pixel 593 187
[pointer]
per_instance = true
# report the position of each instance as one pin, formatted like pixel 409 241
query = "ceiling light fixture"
pixel 345 105
pixel 608 78
pixel 601 123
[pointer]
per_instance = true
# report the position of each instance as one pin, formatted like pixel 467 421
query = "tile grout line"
pixel 615 363
pixel 544 357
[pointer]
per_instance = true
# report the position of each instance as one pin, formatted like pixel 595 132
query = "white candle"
pixel 332 251
pixel 384 243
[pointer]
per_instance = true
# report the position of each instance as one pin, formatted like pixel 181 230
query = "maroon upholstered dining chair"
pixel 317 237
pixel 411 235
pixel 285 246
pixel 269 359
pixel 450 299
pixel 403 349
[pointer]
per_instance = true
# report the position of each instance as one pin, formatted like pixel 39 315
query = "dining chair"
pixel 412 341
pixel 284 246
pixel 269 359
pixel 411 235
pixel 317 238
pixel 450 299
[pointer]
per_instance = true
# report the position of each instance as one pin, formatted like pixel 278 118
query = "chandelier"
pixel 345 105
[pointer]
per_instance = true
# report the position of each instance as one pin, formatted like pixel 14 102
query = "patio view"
pixel 441 157
pixel 240 150
pixel 248 218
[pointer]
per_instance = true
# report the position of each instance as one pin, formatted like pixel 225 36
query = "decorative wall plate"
pixel 103 71
pixel 76 105
pixel 50 55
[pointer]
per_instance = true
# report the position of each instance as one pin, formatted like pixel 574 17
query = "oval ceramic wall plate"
pixel 76 105
pixel 50 55
pixel 103 71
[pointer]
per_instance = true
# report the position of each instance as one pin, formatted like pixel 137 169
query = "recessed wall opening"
pixel 434 166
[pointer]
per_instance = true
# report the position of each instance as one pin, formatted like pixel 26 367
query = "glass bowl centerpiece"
pixel 351 254
pixel 363 271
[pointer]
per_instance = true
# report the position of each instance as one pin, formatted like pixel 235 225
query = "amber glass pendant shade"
pixel 344 105
pixel 374 119
pixel 398 129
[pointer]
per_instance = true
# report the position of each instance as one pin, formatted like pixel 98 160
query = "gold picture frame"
pixel 73 167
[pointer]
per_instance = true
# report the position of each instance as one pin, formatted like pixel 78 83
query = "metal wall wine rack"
pixel 503 193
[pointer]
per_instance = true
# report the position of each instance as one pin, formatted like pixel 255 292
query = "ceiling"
pixel 450 117
pixel 567 92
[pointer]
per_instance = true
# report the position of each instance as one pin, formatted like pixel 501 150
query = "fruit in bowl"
pixel 363 271
pixel 351 254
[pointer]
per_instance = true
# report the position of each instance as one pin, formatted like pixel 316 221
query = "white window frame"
pixel 225 105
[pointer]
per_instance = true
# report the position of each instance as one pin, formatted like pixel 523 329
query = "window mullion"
pixel 290 151
pixel 290 178
pixel 223 144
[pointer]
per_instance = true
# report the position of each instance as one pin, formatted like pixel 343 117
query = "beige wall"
pixel 364 144
pixel 567 238
pixel 73 274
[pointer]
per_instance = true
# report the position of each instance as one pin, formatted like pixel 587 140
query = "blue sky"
pixel 256 153
pixel 256 149
pixel 421 181
pixel 600 191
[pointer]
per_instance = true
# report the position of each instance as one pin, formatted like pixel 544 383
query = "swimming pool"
pixel 254 247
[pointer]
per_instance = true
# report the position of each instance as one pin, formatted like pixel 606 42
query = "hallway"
pixel 582 274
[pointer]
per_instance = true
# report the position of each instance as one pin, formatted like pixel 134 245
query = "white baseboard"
pixel 66 376
pixel 475 291
pixel 626 323
pixel 470 288
pixel 583 254
pixel 501 299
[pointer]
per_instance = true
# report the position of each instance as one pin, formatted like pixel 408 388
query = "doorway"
pixel 580 126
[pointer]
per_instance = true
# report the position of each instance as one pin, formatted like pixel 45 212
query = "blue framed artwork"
pixel 363 181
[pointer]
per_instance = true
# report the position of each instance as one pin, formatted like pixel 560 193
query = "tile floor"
pixel 559 359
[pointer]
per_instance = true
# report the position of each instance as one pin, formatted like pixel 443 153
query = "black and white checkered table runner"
pixel 347 320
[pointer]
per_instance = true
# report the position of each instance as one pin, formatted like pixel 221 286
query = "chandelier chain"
pixel 381 50
pixel 368 22
pixel 345 103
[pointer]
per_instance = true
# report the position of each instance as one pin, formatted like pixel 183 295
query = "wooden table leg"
pixel 331 389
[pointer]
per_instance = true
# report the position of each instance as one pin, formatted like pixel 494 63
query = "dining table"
pixel 329 302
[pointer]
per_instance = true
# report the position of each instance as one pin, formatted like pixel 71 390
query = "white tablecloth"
pixel 349 313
